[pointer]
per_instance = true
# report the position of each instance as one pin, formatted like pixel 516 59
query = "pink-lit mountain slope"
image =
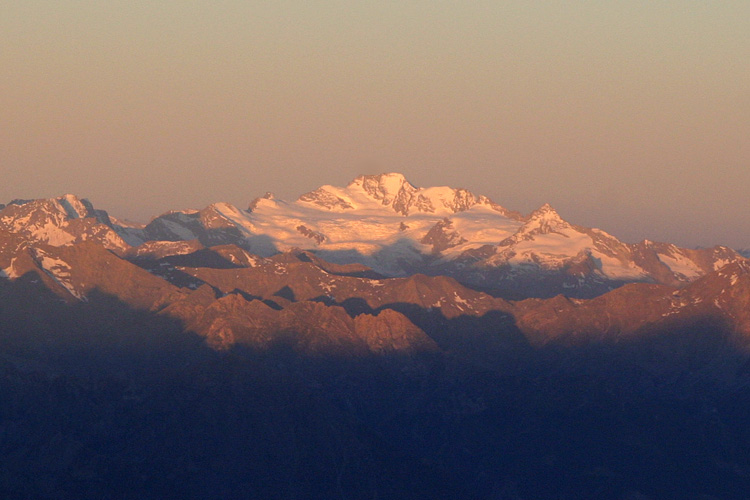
pixel 229 295
pixel 387 224
pixel 392 227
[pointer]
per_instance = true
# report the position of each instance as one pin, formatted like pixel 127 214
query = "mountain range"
pixel 376 340
pixel 353 265
pixel 385 223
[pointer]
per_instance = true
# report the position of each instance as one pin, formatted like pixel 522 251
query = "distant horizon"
pixel 631 117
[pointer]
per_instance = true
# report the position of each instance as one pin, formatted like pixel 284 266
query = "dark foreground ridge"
pixel 101 400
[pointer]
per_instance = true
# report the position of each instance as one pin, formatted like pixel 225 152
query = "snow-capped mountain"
pixel 237 275
pixel 56 222
pixel 392 190
pixel 387 224
pixel 397 229
pixel 59 221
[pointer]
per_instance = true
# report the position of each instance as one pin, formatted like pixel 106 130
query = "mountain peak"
pixel 65 207
pixel 392 179
pixel 74 207
pixel 259 201
pixel 59 221
pixel 545 212
pixel 543 220
pixel 392 190
pixel 387 188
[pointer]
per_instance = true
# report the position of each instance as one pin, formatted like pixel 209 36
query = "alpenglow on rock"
pixel 395 228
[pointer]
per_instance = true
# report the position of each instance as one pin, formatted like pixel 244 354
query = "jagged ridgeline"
pixel 377 340
pixel 395 229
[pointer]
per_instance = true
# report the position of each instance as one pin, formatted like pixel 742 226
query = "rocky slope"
pixel 396 229
pixel 199 267
pixel 230 296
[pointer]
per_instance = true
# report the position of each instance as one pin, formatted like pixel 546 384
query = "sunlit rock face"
pixel 60 221
pixel 387 224
pixel 230 295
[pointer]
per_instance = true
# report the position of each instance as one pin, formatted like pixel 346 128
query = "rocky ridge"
pixel 385 223
pixel 199 267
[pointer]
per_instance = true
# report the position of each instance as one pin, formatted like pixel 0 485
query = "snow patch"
pixel 59 270
pixel 719 263
pixel 680 264
pixel 10 271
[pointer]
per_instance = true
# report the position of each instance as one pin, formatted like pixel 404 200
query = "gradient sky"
pixel 630 116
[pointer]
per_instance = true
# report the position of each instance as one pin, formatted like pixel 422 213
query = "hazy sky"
pixel 632 116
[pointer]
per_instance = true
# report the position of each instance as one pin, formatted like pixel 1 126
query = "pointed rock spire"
pixel 545 212
pixel 254 204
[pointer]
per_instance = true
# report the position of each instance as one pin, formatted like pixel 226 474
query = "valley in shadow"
pixel 99 400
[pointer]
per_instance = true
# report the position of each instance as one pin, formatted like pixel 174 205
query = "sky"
pixel 629 116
